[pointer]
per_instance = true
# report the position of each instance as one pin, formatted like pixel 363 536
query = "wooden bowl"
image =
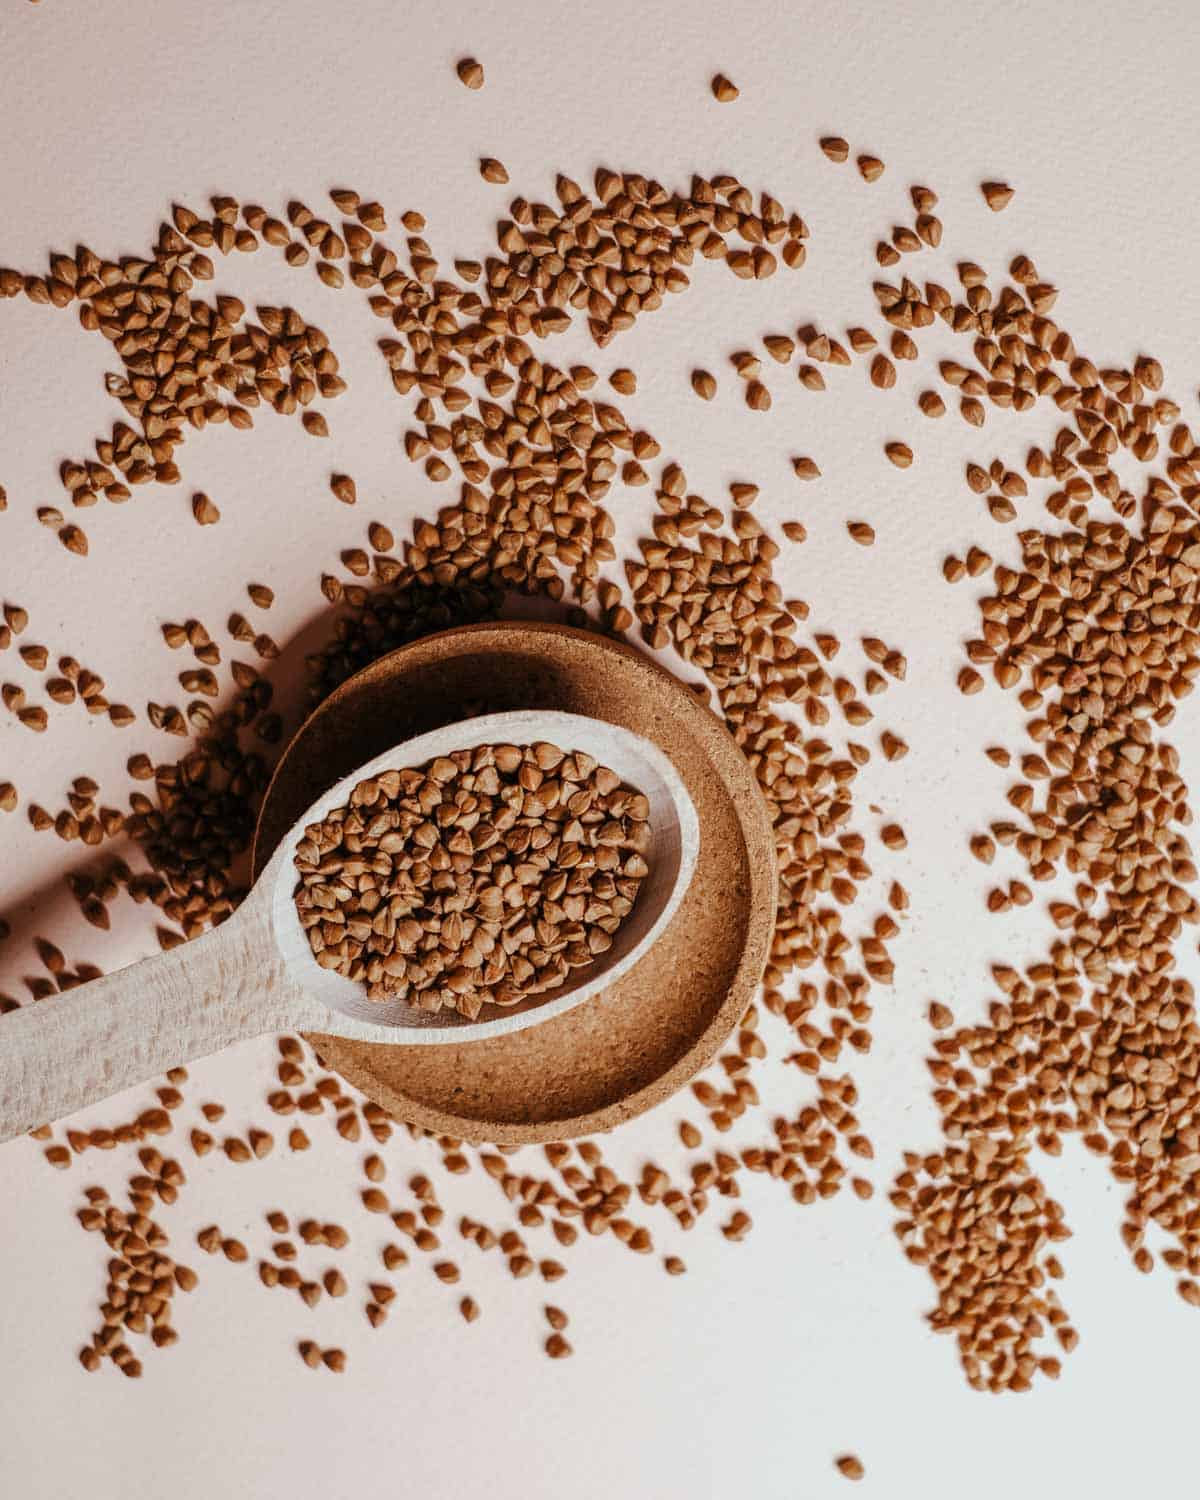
pixel 626 1049
pixel 674 846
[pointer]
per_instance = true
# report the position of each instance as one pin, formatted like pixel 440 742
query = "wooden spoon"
pixel 256 973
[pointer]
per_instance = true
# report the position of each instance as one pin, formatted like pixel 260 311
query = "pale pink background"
pixel 748 1375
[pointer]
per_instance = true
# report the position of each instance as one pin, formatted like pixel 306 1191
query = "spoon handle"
pixel 72 1050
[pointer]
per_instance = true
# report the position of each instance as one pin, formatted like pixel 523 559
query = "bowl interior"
pixel 674 848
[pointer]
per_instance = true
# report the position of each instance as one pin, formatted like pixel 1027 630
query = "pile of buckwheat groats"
pixel 481 878
pixel 1097 631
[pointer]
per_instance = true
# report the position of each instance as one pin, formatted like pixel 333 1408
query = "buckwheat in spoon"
pixel 480 878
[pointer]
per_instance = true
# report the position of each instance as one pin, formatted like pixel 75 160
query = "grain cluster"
pixel 1095 624
pixel 1095 628
pixel 481 878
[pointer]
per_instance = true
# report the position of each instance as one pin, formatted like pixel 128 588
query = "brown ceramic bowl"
pixel 643 1038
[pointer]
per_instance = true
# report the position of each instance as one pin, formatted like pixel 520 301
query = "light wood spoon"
pixel 256 973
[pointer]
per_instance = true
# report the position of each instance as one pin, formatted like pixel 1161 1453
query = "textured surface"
pixel 136 1023
pixel 639 1041
pixel 674 833
pixel 745 1376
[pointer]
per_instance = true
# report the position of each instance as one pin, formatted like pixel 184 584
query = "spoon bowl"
pixel 674 847
pixel 256 972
